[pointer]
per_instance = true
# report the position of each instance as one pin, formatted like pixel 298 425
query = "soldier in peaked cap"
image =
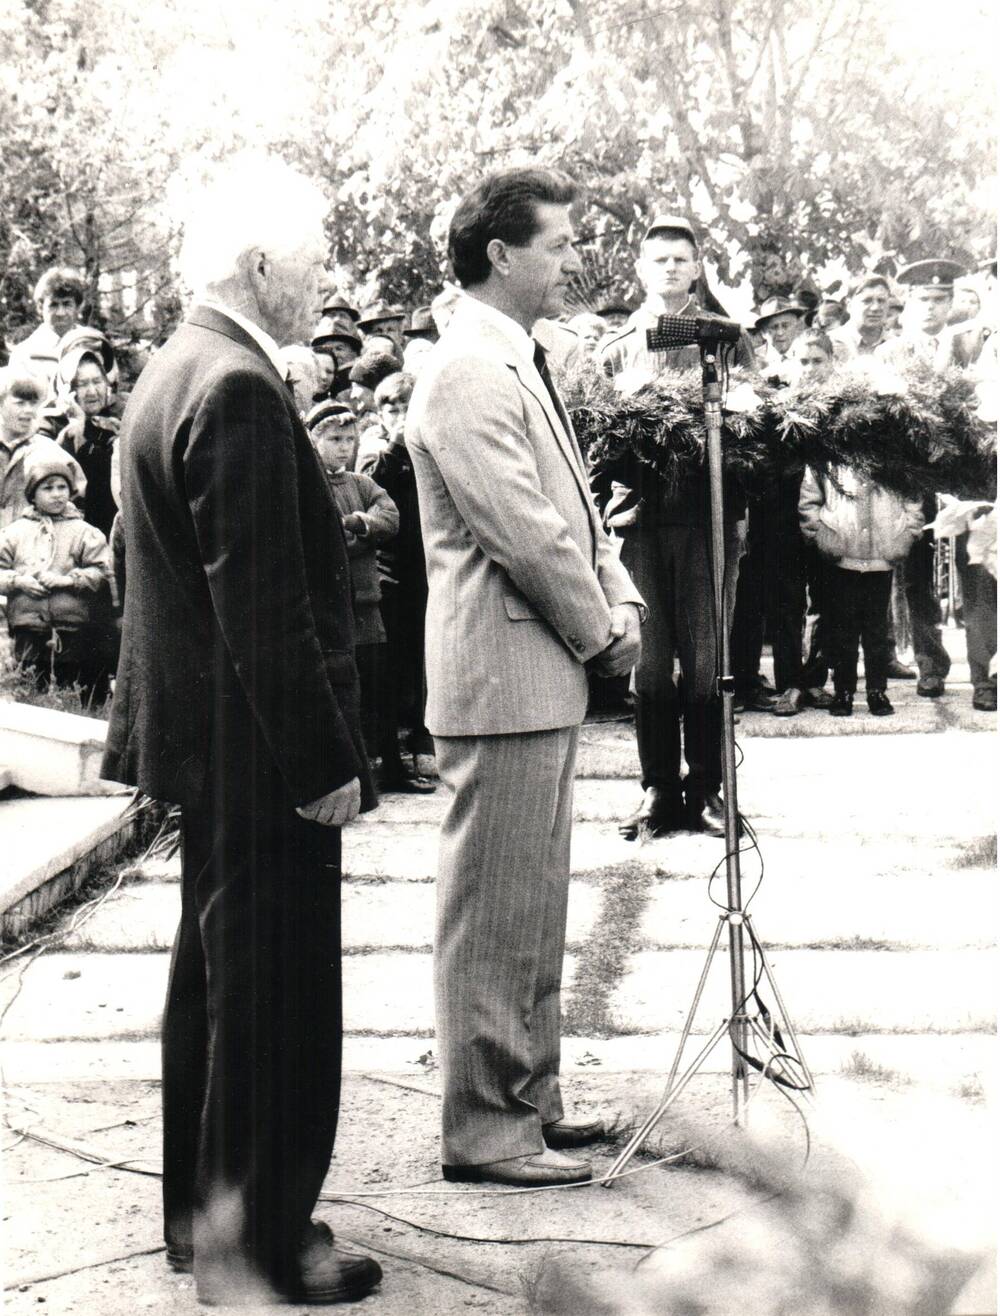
pixel 927 340
pixel 421 325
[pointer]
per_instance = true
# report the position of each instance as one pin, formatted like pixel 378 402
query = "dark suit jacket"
pixel 237 644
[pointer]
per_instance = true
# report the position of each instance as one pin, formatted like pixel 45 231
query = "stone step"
pixel 941 1059
pixel 94 995
pixel 794 907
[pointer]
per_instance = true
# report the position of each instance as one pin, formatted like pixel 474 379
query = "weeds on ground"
pixel 862 1066
pixel 978 853
pixel 971 1089
pixel 18 686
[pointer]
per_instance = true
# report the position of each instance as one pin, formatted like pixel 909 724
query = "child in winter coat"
pixel 55 570
pixel 369 518
pixel 861 530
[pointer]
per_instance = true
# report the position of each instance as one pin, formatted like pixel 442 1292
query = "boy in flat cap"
pixel 665 549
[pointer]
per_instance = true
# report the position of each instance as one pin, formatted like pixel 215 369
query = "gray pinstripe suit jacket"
pixel 521 575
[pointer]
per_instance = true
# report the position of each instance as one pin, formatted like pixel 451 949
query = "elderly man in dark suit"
pixel 237 699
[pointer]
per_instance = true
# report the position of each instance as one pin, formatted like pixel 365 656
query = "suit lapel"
pixel 559 421
pixel 207 317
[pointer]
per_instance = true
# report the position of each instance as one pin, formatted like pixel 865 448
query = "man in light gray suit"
pixel 524 589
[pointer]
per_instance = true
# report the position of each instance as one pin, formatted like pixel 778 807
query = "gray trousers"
pixel 503 881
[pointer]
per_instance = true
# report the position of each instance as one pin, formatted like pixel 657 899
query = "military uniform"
pixel 935 351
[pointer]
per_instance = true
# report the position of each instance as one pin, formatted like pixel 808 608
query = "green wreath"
pixel 914 432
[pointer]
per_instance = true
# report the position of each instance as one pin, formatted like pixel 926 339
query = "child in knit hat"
pixel 55 570
pixel 369 518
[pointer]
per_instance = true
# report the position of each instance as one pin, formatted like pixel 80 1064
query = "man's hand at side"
pixel 336 809
pixel 622 653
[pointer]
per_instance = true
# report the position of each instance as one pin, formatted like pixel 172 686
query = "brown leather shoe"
pixel 534 1170
pixel 562 1134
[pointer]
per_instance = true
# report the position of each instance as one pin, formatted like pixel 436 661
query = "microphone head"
pixel 684 330
pixel 672 331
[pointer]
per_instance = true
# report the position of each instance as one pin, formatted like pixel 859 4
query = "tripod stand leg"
pixel 667 1100
pixel 786 1017
pixel 696 1001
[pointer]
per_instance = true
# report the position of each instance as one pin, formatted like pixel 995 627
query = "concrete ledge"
pixel 52 753
pixel 51 846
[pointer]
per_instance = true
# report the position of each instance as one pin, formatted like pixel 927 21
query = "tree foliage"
pixel 795 132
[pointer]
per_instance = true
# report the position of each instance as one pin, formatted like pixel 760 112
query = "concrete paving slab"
pixel 42 837
pixel 52 753
pixel 872 901
pixel 918 991
pixel 92 995
pixel 944 1061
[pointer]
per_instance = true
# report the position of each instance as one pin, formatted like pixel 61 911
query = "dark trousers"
pixel 924 607
pixel 979 612
pixel 671 567
pixel 403 690
pixel 84 656
pixel 817 645
pixel 252 1029
pixel 370 662
pixel 771 596
pixel 857 608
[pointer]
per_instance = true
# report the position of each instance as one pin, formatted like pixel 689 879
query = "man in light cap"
pixel 927 341
pixel 665 533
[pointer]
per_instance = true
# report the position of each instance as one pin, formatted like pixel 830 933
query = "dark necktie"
pixel 542 366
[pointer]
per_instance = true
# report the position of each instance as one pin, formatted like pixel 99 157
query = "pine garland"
pixel 914 432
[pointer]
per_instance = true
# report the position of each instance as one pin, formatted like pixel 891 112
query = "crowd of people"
pixel 321 540
pixel 805 581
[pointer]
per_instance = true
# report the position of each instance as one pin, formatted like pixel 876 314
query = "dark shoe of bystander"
pixel 898 671
pixel 931 687
pixel 878 703
pixel 842 705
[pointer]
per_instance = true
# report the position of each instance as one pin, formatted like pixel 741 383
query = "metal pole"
pixel 713 427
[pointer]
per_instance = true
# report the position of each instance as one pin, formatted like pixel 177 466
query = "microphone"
pixel 684 330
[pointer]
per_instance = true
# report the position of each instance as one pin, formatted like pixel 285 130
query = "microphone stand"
pixel 740 1024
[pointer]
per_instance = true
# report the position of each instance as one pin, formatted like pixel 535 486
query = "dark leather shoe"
pixel 658 814
pixel 407 785
pixel 705 813
pixel 842 705
pixel 757 701
pixel 878 703
pixel 534 1170
pixel 328 1275
pixel 562 1134
pixel 817 697
pixel 985 699
pixel 789 702
pixel 931 687
pixel 898 671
